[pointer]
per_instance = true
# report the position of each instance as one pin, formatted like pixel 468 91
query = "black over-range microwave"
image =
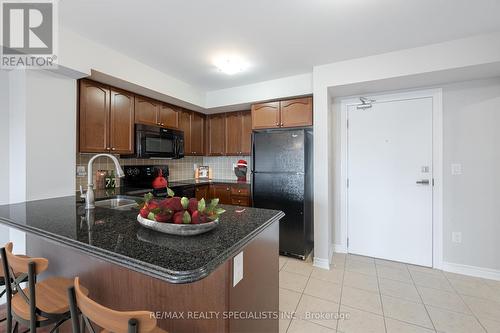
pixel 158 142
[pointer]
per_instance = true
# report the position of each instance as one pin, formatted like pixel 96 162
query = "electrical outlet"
pixel 81 171
pixel 456 237
pixel 456 169
pixel 237 268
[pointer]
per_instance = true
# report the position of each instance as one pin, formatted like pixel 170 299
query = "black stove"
pixel 138 180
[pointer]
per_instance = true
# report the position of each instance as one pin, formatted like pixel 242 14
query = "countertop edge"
pixel 143 267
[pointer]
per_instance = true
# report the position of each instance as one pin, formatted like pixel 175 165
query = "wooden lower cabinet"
pixel 202 192
pixel 223 192
pixel 228 194
pixel 240 201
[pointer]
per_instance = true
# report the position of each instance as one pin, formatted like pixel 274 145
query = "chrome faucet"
pixel 89 195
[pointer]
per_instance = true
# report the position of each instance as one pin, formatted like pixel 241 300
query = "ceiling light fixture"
pixel 230 65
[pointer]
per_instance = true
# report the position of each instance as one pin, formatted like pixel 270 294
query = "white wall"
pixel 284 87
pixel 51 114
pixel 471 112
pixel 83 55
pixel 42 143
pixel 4 138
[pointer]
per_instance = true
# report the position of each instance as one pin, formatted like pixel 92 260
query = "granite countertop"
pixel 117 237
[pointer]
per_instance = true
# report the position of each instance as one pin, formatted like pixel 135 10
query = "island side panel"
pixel 120 288
pixel 258 291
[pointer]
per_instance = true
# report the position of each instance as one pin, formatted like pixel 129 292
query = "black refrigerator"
pixel 282 179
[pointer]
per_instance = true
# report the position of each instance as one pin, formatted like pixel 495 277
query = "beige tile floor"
pixel 376 296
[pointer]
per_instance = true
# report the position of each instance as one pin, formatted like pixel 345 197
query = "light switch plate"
pixel 456 237
pixel 456 169
pixel 237 268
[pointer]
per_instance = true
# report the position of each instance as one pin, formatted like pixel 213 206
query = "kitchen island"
pixel 187 281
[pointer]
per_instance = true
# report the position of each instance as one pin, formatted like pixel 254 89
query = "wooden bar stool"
pixel 107 319
pixel 42 303
pixel 2 280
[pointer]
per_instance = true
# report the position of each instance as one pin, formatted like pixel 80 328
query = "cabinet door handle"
pixel 108 148
pixel 278 124
pixel 282 124
pixel 113 148
pixel 162 124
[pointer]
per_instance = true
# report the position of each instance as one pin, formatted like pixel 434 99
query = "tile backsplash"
pixel 222 166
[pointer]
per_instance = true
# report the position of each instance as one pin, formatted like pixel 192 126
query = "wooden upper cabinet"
pixel 122 122
pixel 216 134
pixel 197 134
pixel 185 126
pixel 168 116
pixel 146 111
pixel 234 124
pixel 238 133
pixel 297 112
pixel 94 117
pixel 266 115
pixel 246 137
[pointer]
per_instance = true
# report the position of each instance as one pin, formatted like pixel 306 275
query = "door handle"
pixel 423 182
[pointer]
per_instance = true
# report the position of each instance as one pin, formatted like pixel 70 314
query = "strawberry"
pixel 193 205
pixel 174 204
pixel 177 219
pixel 153 204
pixel 144 212
pixel 163 216
pixel 195 217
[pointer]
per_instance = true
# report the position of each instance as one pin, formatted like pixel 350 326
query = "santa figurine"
pixel 240 170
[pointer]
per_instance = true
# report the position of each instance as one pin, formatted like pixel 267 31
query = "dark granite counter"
pixel 116 236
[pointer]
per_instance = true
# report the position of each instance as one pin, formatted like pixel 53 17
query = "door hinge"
pixel 347 242
pixel 347 123
pixel 432 181
pixel 347 182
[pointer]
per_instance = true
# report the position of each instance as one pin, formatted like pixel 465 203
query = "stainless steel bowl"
pixel 177 229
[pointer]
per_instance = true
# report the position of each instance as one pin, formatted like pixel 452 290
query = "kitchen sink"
pixel 120 202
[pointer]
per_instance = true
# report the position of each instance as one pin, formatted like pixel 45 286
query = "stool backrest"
pixel 21 264
pixel 16 270
pixel 108 319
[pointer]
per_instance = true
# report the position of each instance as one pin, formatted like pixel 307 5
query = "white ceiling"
pixel 278 37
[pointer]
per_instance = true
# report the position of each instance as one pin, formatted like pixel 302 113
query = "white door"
pixel 390 180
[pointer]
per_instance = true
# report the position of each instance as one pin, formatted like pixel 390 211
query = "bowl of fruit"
pixel 178 216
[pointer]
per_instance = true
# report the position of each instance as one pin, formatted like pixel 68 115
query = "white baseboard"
pixel 481 272
pixel 339 248
pixel 321 263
